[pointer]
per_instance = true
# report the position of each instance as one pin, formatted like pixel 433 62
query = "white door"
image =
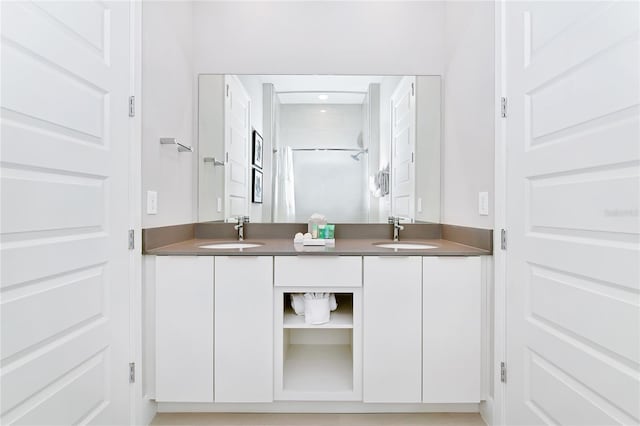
pixel 403 141
pixel 236 139
pixel 243 329
pixel 573 311
pixel 392 335
pixel 65 211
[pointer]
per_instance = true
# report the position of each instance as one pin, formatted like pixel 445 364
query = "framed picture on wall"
pixel 257 149
pixel 256 193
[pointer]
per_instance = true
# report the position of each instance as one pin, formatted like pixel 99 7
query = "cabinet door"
pixel 392 345
pixel 184 328
pixel 451 326
pixel 244 329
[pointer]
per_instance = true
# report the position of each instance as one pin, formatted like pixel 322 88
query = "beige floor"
pixel 229 419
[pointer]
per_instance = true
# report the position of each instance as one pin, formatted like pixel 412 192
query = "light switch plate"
pixel 219 207
pixel 483 203
pixel 152 202
pixel 419 207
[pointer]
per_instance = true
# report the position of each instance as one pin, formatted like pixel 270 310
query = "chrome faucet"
pixel 240 226
pixel 395 221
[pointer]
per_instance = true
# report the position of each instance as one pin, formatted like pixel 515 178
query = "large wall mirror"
pixel 279 148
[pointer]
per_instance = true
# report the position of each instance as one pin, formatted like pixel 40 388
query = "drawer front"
pixel 307 271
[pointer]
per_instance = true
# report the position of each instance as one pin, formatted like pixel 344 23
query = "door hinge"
pixel 412 157
pixel 131 239
pixel 132 106
pixel 503 107
pixel 227 90
pixel 503 239
pixel 413 89
pixel 503 372
pixel 132 372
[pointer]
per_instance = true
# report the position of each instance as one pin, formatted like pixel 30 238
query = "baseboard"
pixel 314 407
pixel 486 411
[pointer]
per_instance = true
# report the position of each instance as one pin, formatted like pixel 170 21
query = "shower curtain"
pixel 285 203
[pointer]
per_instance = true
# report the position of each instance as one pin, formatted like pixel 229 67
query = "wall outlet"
pixel 152 202
pixel 483 203
pixel 219 207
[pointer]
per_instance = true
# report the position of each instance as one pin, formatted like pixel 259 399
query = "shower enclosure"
pixel 321 163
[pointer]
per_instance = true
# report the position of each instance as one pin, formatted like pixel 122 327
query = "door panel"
pixel 573 281
pixel 403 139
pixel 392 336
pixel 65 138
pixel 451 317
pixel 243 329
pixel 237 148
pixel 184 328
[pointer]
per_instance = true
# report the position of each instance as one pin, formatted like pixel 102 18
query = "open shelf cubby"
pixel 319 362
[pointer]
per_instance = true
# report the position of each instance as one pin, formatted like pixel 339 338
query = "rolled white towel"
pixel 297 303
pixel 333 304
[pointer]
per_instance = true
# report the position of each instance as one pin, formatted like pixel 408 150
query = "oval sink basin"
pixel 405 246
pixel 234 245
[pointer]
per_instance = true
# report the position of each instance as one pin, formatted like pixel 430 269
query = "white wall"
pixel 304 126
pixel 428 148
pixel 168 87
pixel 319 37
pixel 468 112
pixel 399 38
pixel 210 117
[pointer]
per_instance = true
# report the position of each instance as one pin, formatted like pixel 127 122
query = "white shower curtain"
pixel 285 210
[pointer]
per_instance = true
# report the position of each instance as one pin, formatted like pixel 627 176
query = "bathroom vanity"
pixel 408 331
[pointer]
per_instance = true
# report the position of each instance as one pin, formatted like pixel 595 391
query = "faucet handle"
pixel 392 220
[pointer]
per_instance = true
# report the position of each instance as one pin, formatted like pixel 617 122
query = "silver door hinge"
pixel 412 89
pixel 132 372
pixel 503 239
pixel 132 106
pixel 227 90
pixel 503 372
pixel 503 107
pixel 131 239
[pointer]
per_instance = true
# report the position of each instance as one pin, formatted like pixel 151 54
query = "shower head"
pixel 357 155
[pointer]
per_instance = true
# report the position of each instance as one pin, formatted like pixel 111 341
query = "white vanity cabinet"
pixel 184 328
pixel 243 329
pixel 392 329
pixel 407 329
pixel 451 324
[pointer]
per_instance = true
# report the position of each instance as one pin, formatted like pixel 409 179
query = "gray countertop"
pixel 342 247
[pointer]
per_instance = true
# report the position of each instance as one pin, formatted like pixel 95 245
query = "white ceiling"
pixel 305 89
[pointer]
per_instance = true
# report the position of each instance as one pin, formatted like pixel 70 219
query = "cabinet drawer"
pixel 307 271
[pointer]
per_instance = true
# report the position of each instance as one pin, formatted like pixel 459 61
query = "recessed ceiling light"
pixel 323 110
pixel 323 97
